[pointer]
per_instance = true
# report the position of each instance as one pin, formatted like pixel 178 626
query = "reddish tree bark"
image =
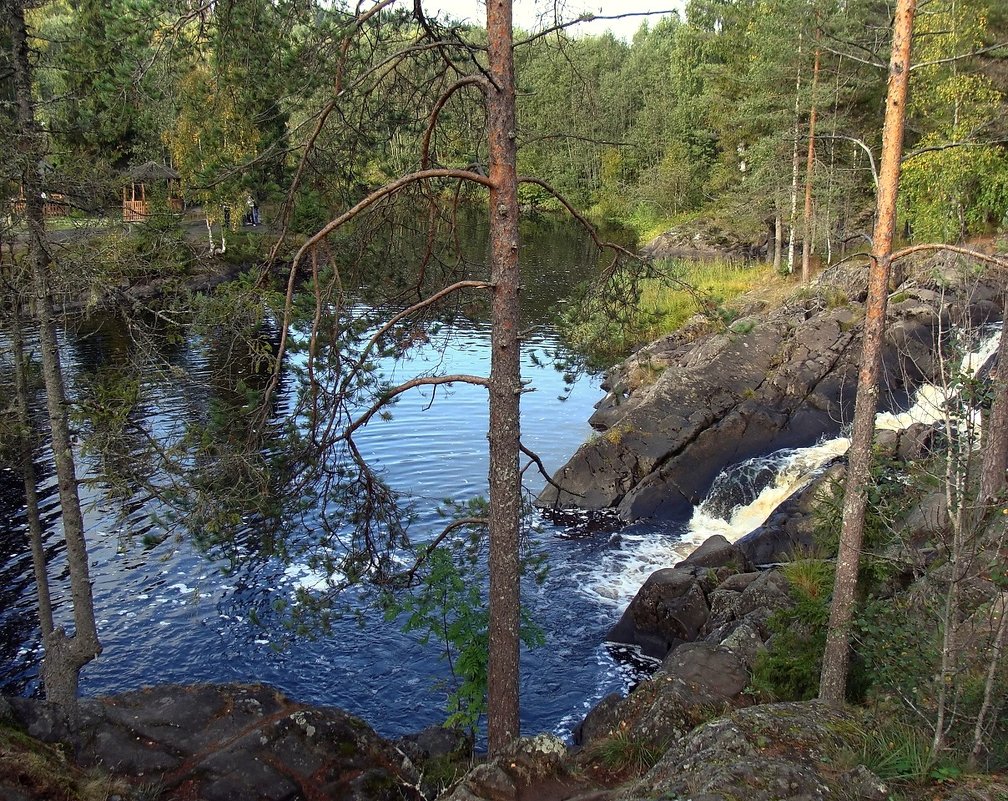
pixel 505 385
pixel 836 657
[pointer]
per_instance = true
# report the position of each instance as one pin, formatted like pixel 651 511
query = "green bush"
pixel 789 669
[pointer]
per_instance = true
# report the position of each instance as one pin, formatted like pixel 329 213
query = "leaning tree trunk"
pixel 65 655
pixel 806 258
pixel 28 476
pixel 836 657
pixel 505 385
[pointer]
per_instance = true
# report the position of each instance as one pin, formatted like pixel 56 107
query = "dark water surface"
pixel 171 612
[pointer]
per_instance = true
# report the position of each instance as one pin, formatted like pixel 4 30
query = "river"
pixel 169 611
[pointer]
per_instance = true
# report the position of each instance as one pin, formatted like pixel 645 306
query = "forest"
pixel 334 157
pixel 710 115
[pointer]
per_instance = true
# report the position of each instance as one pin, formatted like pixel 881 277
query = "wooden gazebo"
pixel 137 190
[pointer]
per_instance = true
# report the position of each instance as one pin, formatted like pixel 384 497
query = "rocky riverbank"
pixel 683 408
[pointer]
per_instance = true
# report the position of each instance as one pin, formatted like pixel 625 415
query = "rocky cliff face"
pixel 680 410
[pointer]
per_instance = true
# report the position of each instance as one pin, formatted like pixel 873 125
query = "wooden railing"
pixel 54 206
pixel 134 210
pixel 137 210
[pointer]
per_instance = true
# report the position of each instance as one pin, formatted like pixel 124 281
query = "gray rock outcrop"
pixel 229 743
pixel 683 408
pixel 707 619
pixel 773 752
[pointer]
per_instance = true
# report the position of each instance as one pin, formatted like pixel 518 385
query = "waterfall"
pixel 741 498
pixel 931 401
pixel 745 494
pixel 765 483
pixel 790 470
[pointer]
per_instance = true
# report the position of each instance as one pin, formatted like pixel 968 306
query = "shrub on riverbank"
pixel 925 666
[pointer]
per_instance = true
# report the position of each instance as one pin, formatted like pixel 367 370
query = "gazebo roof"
pixel 151 171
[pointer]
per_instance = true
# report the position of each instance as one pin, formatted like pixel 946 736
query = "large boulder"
pixel 774 752
pixel 527 762
pixel 693 684
pixel 704 239
pixel 672 607
pixel 669 609
pixel 230 743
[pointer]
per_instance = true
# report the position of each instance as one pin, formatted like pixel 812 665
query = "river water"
pixel 169 611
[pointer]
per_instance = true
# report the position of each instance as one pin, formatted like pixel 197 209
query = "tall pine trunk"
pixel 505 386
pixel 836 657
pixel 65 654
pixel 806 259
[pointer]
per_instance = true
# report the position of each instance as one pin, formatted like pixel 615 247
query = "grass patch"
pixel 633 310
pixel 38 770
pixel 715 283
pixel 623 755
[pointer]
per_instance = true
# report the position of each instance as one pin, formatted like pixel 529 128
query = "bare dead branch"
pixel 864 146
pixel 577 138
pixel 428 547
pixel 589 17
pixel 600 243
pixel 960 56
pixel 542 471
pixel 950 146
pixel 936 246
pixel 388 190
pixel 418 306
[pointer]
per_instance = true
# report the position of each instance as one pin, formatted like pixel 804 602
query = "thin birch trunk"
pixel 794 167
pixel 806 262
pixel 956 470
pixel 995 454
pixel 832 167
pixel 778 241
pixel 987 706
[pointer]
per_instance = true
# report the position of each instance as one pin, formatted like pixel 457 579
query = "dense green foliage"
pixel 698 116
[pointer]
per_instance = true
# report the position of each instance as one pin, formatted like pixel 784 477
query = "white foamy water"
pixel 793 469
pixel 932 401
pixel 300 576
